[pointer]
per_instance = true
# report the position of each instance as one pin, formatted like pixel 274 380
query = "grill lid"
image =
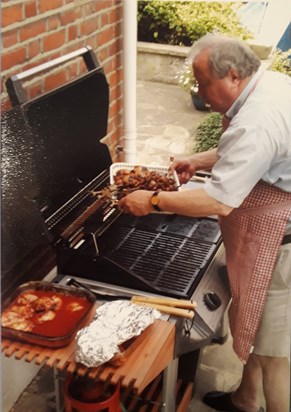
pixel 51 149
pixel 67 125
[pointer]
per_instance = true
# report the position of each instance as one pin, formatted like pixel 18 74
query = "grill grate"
pixel 83 196
pixel 172 263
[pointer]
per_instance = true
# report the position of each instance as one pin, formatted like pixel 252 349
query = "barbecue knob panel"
pixel 212 300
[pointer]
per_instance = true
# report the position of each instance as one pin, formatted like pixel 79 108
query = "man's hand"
pixel 137 203
pixel 184 168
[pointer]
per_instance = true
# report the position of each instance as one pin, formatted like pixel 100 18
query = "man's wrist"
pixel 155 201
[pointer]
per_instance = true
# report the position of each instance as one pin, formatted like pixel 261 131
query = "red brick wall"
pixel 36 31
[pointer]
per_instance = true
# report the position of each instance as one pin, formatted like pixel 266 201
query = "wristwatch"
pixel 155 201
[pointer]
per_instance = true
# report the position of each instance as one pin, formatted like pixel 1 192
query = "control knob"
pixel 212 301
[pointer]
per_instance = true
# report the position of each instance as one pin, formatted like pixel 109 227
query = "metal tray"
pixel 128 166
pixel 41 339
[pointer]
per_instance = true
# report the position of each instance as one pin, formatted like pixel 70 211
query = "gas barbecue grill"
pixel 112 253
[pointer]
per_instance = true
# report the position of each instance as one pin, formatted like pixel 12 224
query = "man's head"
pixel 222 67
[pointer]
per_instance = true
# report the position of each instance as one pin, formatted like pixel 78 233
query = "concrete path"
pixel 166 122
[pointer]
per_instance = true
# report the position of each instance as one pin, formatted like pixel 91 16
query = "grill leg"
pixel 188 365
pixel 170 375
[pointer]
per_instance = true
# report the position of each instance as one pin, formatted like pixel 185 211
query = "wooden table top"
pixel 145 359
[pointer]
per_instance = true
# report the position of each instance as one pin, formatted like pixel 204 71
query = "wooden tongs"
pixel 177 307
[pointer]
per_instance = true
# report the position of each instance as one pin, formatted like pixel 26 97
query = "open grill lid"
pixel 50 150
pixel 66 125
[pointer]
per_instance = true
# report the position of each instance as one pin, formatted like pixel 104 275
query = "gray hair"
pixel 226 53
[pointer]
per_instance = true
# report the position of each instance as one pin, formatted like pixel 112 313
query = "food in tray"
pixel 46 303
pixel 44 313
pixel 140 177
pixel 44 317
pixel 74 307
pixel 16 321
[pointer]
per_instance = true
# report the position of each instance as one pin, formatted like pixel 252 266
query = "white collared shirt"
pixel 257 143
pixel 234 109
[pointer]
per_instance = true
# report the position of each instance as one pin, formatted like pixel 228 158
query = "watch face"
pixel 155 200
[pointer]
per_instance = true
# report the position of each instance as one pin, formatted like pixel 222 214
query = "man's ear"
pixel 233 75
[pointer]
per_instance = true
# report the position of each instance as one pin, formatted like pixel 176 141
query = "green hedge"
pixel 281 61
pixel 183 22
pixel 208 132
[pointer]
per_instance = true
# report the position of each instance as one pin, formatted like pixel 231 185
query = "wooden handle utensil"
pixel 169 309
pixel 177 307
pixel 177 303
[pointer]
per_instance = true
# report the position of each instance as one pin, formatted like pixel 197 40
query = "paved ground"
pixel 166 122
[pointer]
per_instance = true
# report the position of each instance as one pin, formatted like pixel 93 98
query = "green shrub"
pixel 183 22
pixel 208 132
pixel 281 61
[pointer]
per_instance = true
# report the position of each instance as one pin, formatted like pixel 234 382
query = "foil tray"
pixel 59 339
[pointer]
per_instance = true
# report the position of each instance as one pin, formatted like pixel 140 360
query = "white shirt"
pixel 257 143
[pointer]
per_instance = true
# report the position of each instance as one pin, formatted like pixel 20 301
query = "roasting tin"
pixel 40 339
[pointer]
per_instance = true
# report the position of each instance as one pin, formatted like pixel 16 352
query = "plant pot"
pixel 198 102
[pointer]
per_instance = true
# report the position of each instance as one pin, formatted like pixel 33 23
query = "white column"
pixel 129 65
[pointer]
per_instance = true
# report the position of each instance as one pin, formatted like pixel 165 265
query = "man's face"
pixel 220 94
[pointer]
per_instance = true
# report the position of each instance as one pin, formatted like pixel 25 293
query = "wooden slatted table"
pixel 152 351
pixel 146 359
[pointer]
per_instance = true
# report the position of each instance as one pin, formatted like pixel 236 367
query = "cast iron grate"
pixel 172 263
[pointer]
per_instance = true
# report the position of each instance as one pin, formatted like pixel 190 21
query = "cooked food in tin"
pixel 74 307
pixel 46 303
pixel 26 311
pixel 140 177
pixel 44 317
pixel 25 298
pixel 16 321
pixel 44 312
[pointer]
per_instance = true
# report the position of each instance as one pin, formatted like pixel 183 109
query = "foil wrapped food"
pixel 113 323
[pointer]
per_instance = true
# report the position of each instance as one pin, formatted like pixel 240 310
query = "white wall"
pixel 16 375
pixel 275 22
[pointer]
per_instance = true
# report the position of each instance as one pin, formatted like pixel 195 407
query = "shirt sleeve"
pixel 245 154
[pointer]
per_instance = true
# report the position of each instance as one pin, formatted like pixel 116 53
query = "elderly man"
pixel 250 191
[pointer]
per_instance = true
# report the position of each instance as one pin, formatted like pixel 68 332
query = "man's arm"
pixel 205 160
pixel 193 202
pixel 188 202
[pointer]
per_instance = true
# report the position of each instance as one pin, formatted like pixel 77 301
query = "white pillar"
pixel 129 65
